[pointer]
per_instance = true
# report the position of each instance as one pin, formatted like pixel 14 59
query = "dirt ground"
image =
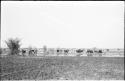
pixel 62 68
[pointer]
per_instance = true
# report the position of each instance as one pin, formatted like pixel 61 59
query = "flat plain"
pixel 62 68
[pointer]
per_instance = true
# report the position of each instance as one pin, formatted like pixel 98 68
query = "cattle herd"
pixel 67 52
pixel 63 52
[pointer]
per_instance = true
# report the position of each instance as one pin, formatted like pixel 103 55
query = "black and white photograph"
pixel 62 40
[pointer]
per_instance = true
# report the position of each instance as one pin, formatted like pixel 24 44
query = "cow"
pixel 23 52
pixel 59 51
pixel 66 51
pixel 79 51
pixel 89 52
pixel 99 52
pixel 32 51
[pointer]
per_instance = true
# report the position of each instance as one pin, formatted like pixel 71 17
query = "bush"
pixel 13 45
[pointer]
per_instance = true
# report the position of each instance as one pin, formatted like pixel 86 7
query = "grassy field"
pixel 62 68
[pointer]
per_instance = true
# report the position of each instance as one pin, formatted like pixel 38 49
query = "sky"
pixel 64 24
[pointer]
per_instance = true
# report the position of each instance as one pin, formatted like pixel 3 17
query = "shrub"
pixel 13 45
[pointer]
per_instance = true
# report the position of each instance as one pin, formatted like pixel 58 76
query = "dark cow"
pixel 32 52
pixel 89 52
pixel 23 52
pixel 59 51
pixel 79 51
pixel 98 52
pixel 66 51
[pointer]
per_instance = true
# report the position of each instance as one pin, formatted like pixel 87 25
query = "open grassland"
pixel 62 68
